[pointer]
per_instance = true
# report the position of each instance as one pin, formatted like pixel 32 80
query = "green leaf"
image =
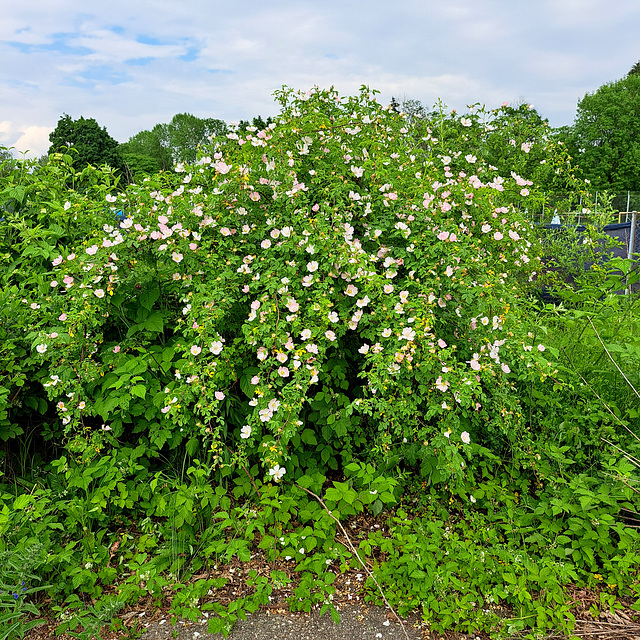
pixel 267 542
pixel 244 554
pixel 154 322
pixel 341 427
pixel 139 390
pixel 149 297
pixel 387 497
pixel 245 381
pixel 333 494
pixel 21 502
pixel 18 192
pixel 350 496
pixel 309 437
pixel 192 446
pixel 306 481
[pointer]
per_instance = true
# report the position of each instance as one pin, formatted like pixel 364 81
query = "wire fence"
pixel 601 207
pixel 615 213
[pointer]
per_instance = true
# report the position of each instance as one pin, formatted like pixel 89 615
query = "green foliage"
pixel 16 589
pixel 322 321
pixel 187 133
pixel 596 331
pixel 7 161
pixel 578 258
pixel 166 144
pixel 40 217
pixel 373 267
pixel 514 139
pixel 606 136
pixel 138 165
pixel 92 144
pixel 146 152
pixel 256 124
pixel 85 622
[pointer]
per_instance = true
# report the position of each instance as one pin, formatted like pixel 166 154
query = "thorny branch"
pixel 355 552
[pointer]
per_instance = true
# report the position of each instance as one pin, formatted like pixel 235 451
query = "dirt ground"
pixel 356 623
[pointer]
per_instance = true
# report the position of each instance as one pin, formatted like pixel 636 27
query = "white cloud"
pixel 109 47
pixel 578 14
pixel 34 140
pixel 25 138
pixel 8 133
pixel 225 60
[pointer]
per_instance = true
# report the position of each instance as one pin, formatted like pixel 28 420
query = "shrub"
pixel 321 286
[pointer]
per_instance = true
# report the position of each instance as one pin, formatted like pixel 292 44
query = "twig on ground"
pixel 602 629
pixel 357 555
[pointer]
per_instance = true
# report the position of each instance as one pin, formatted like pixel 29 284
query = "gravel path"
pixel 356 623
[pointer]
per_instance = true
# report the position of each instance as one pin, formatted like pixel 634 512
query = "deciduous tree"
pixel 187 132
pixel 167 143
pixel 92 143
pixel 606 134
pixel 147 152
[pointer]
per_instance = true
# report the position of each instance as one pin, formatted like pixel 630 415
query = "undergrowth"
pixel 331 323
pixel 497 560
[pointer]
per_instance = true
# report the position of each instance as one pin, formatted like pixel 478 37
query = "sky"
pixel 131 64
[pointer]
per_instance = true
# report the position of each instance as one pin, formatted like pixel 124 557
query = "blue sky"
pixel 132 64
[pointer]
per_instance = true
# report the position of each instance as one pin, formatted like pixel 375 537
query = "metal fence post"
pixel 626 215
pixel 632 241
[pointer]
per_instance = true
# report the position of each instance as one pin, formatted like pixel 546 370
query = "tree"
pixel 187 132
pixel 7 161
pixel 413 109
pixel 92 143
pixel 635 69
pixel 167 143
pixel 147 152
pixel 606 134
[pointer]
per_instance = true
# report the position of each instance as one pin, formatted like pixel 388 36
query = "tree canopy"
pixel 168 143
pixel 146 152
pixel 7 161
pixel 186 132
pixel 258 122
pixel 92 143
pixel 605 136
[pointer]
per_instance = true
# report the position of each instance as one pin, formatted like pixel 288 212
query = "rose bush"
pixel 340 299
pixel 39 215
pixel 329 284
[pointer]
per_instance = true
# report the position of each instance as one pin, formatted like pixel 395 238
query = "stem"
pixel 612 360
pixel 15 395
pixel 246 471
pixel 355 552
